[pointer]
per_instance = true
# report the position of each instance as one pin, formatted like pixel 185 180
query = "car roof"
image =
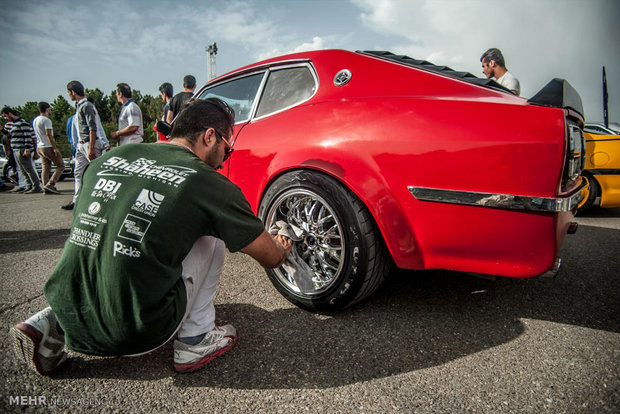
pixel 384 55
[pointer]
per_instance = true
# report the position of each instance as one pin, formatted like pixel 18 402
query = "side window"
pixel 239 93
pixel 284 88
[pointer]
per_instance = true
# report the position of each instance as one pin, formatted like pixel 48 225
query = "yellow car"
pixel 602 166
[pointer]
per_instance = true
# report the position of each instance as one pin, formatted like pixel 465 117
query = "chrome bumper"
pixel 503 201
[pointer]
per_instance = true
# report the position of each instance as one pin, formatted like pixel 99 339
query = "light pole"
pixel 211 52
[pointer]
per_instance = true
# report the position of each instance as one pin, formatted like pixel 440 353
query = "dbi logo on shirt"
pixel 148 202
pixel 105 189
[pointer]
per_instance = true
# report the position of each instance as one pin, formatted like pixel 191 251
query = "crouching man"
pixel 146 250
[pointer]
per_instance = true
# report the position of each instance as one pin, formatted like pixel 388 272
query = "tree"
pixel 101 103
pixel 29 111
pixel 136 96
pixel 114 106
pixel 152 109
pixel 61 111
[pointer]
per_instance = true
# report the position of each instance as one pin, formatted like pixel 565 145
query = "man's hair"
pixel 43 106
pixel 166 89
pixel 9 110
pixel 76 87
pixel 199 115
pixel 189 82
pixel 493 54
pixel 124 89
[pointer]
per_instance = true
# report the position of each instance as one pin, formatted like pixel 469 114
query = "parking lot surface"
pixel 426 342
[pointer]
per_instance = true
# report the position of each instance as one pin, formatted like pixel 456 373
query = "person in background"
pixel 166 92
pixel 88 145
pixel 105 144
pixel 494 66
pixel 24 147
pixel 130 128
pixel 176 103
pixel 70 134
pixel 46 147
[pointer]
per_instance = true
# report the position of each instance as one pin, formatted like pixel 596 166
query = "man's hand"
pixel 91 153
pixel 269 251
pixel 286 244
pixel 114 135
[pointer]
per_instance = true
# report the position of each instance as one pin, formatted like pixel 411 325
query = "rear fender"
pixel 371 189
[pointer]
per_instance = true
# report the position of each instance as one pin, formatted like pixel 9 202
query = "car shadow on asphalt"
pixel 32 240
pixel 415 321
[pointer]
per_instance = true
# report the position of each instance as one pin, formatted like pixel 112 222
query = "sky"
pixel 144 43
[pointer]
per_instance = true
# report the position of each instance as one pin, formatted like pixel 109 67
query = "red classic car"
pixel 379 159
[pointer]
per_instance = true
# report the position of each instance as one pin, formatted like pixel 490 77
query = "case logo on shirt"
pixel 148 202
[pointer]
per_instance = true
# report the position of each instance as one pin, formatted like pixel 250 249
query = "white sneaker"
pixel 38 343
pixel 189 358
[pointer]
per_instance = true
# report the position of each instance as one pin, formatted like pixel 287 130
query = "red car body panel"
pixel 394 126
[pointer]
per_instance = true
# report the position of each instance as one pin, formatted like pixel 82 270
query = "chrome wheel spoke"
pixel 322 244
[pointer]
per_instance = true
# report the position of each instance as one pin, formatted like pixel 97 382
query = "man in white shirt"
pixel 130 127
pixel 46 147
pixel 494 66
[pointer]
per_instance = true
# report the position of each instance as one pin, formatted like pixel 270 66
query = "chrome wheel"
pixel 322 244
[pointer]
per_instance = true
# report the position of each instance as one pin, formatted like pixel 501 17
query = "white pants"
pixel 81 161
pixel 202 268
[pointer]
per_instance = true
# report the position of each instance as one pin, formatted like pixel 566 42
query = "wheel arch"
pixel 383 206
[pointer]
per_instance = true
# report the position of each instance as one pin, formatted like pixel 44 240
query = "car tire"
pixel 341 243
pixel 589 192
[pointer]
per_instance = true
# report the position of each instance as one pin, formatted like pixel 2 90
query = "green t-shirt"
pixel 117 289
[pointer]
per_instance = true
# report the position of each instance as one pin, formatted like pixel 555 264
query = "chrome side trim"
pixel 504 201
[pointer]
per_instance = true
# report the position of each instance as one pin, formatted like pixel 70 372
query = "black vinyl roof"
pixel 444 70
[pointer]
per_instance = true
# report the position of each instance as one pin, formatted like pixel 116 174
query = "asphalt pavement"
pixel 426 342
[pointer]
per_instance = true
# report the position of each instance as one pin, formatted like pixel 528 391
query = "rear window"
pixel 285 88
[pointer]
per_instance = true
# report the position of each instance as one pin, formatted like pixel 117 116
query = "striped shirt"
pixel 22 135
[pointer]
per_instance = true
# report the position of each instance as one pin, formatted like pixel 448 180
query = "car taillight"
pixel 575 154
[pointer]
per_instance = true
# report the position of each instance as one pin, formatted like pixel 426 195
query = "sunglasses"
pixel 229 149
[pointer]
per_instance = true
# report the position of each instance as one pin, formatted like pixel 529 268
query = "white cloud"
pixel 540 39
pixel 317 43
